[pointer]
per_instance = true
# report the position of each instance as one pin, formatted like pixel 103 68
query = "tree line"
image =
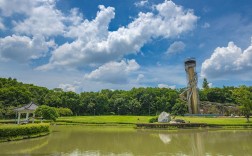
pixel 137 101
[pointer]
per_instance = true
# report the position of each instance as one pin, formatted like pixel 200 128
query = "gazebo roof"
pixel 29 107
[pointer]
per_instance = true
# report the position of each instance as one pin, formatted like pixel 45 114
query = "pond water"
pixel 126 141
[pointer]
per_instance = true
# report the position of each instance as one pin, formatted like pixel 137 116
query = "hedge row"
pixel 10 131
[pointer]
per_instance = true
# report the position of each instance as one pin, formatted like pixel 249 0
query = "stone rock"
pixel 164 117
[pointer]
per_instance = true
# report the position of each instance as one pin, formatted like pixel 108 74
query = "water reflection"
pixel 197 144
pixel 208 142
pixel 196 141
pixel 23 146
pixel 117 141
pixel 165 138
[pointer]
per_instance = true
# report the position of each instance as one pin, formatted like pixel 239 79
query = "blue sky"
pixel 118 44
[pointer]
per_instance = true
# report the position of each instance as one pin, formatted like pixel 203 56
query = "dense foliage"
pixel 244 97
pixel 180 108
pixel 64 111
pixel 137 101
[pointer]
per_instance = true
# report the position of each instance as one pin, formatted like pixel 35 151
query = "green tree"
pixel 163 103
pixel 203 94
pixel 71 100
pixel 85 108
pixel 14 96
pixel 38 94
pixel 133 106
pixel 47 112
pixel 101 106
pixel 216 95
pixel 205 84
pixel 180 108
pixel 244 97
pixel 53 99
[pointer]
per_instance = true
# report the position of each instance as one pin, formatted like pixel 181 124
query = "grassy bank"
pixel 220 121
pixel 214 121
pixel 17 132
pixel 132 120
pixel 104 119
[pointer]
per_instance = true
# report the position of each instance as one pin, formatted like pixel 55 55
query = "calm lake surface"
pixel 126 141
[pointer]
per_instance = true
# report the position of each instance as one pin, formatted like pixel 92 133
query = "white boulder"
pixel 164 117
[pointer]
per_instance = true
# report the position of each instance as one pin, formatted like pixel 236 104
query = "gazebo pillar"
pixel 19 114
pixel 27 116
pixel 33 117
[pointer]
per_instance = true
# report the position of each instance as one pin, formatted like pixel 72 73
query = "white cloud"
pixel 30 40
pixel 43 19
pixel 206 25
pixel 113 72
pixel 228 63
pixel 52 79
pixel 206 9
pixel 91 31
pixel 164 74
pixel 94 44
pixel 2 27
pixel 176 47
pixel 75 17
pixel 23 48
pixel 49 79
pixel 9 7
pixel 166 86
pixel 141 3
pixel 139 77
pixel 210 85
pixel 68 87
pixel 40 16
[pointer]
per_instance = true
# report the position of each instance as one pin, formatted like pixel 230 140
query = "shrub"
pixel 64 111
pixel 152 120
pixel 47 112
pixel 180 108
pixel 9 131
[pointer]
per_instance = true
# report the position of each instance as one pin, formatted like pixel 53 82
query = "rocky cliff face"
pixel 207 107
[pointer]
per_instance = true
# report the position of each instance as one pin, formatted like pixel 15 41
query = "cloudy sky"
pixel 91 45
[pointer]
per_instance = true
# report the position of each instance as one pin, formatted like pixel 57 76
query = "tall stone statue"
pixel 191 93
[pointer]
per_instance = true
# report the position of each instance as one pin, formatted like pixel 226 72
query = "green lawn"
pixel 216 120
pixel 105 119
pixel 2 121
pixel 145 119
pixel 115 119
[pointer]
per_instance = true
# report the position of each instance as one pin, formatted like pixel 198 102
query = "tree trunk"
pixel 247 118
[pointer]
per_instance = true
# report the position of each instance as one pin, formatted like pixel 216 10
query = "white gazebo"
pixel 30 108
